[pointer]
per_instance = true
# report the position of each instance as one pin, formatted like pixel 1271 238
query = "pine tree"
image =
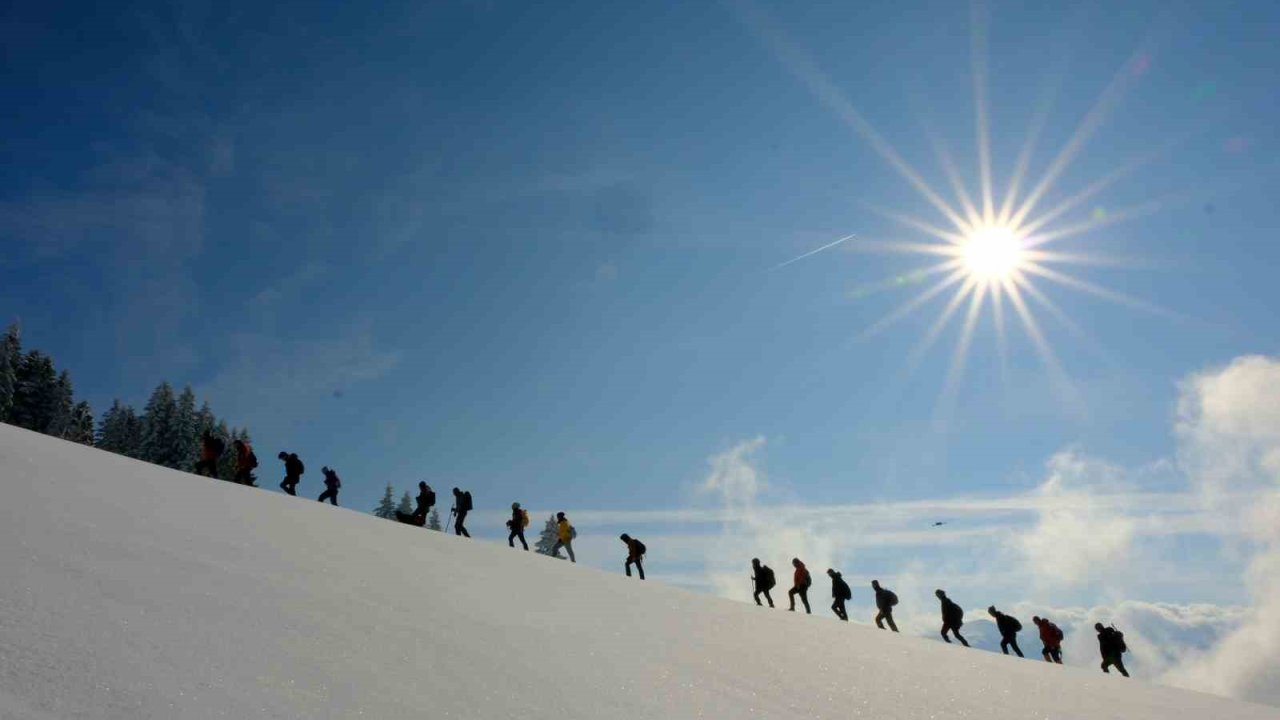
pixel 35 397
pixel 433 521
pixel 130 433
pixel 387 508
pixel 227 463
pixel 188 435
pixel 108 434
pixel 406 504
pixel 160 428
pixel 10 359
pixel 550 535
pixel 61 422
pixel 81 428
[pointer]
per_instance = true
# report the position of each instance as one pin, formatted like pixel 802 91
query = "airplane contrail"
pixel 813 252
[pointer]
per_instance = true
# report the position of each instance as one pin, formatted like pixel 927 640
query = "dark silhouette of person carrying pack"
pixel 1111 646
pixel 886 599
pixel 211 449
pixel 952 617
pixel 293 469
pixel 635 554
pixel 840 592
pixel 1051 637
pixel 763 579
pixel 331 485
pixel 1009 628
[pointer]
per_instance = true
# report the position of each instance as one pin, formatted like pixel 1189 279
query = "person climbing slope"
pixel 1009 628
pixel 763 579
pixel 635 554
pixel 885 600
pixel 1111 646
pixel 801 580
pixel 840 592
pixel 1051 637
pixel 564 537
pixel 211 449
pixel 462 505
pixel 518 522
pixel 246 461
pixel 952 617
pixel 331 485
pixel 426 498
pixel 293 469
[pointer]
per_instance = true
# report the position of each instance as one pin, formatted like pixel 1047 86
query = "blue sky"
pixel 533 251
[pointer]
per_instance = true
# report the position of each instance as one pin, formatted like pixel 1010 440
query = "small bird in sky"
pixel 940 522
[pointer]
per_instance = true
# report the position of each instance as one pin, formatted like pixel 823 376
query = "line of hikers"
pixel 212 448
pixel 1111 643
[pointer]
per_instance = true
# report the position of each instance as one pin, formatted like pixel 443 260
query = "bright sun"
pixel 992 253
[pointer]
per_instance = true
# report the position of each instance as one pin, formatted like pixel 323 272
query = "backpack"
pixel 252 460
pixel 301 468
pixel 524 518
pixel 955 614
pixel 218 446
pixel 767 580
pixel 891 597
pixel 806 580
pixel 638 547
pixel 465 504
pixel 431 498
pixel 1056 632
pixel 573 532
pixel 845 592
pixel 1119 640
pixel 1017 626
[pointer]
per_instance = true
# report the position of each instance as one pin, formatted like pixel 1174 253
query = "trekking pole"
pixel 452 510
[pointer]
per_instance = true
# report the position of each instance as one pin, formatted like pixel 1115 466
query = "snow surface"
pixel 131 591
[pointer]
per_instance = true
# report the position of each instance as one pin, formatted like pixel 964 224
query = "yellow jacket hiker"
pixel 566 534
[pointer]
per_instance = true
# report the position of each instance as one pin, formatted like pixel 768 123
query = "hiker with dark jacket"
pixel 461 506
pixel 211 449
pixel 885 600
pixel 331 485
pixel 246 461
pixel 763 579
pixel 801 581
pixel 1009 628
pixel 952 617
pixel 519 518
pixel 1051 636
pixel 635 553
pixel 840 592
pixel 293 470
pixel 564 537
pixel 1111 645
pixel 426 498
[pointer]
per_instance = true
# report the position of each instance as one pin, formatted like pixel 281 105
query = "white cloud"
pixel 1079 537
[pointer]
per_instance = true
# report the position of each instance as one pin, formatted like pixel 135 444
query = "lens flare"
pixel 992 253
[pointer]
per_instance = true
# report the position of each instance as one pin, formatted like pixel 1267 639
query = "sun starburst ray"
pixel 1092 119
pixel 1104 220
pixel 807 71
pixel 949 168
pixel 921 225
pixel 978 59
pixel 1094 289
pixel 907 308
pixel 935 330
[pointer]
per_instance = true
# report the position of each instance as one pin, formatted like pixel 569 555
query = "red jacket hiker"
pixel 802 575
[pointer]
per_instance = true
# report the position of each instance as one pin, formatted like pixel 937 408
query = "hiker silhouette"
pixel 1111 646
pixel 331 485
pixel 426 498
pixel 952 617
pixel 461 506
pixel 293 470
pixel 211 449
pixel 885 600
pixel 516 526
pixel 564 537
pixel 1051 637
pixel 246 461
pixel 762 580
pixel 801 582
pixel 635 554
pixel 840 592
pixel 1009 628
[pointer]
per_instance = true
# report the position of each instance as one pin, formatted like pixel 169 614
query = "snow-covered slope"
pixel 129 591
